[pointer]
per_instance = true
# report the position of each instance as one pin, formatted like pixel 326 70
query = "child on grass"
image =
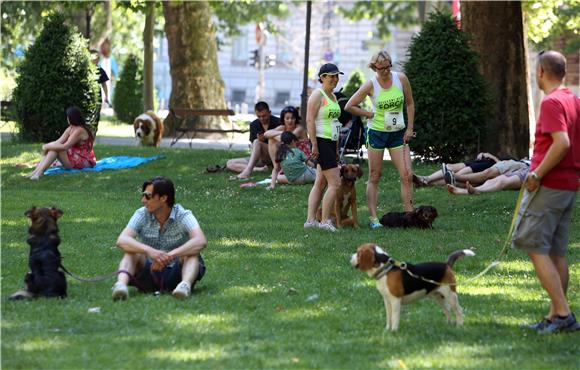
pixel 293 161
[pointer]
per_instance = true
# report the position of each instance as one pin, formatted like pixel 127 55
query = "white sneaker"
pixel 182 290
pixel 120 291
pixel 328 226
pixel 309 224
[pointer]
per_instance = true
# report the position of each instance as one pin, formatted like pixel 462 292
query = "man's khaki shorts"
pixel 543 227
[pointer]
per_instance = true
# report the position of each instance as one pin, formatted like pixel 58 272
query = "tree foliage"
pixel 231 14
pixel 128 98
pixel 386 13
pixel 547 20
pixel 450 95
pixel 56 73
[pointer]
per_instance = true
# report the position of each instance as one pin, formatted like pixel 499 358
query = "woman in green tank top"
pixel 323 129
pixel 387 129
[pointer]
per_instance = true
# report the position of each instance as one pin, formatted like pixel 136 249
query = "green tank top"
pixel 388 105
pixel 327 124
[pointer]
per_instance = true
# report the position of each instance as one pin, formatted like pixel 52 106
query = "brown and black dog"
pixel 421 218
pixel 44 279
pixel 345 197
pixel 399 287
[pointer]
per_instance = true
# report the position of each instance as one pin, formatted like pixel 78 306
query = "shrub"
pixel 56 73
pixel 128 98
pixel 451 97
pixel 355 80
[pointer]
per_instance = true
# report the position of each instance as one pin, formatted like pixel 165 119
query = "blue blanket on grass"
pixel 109 163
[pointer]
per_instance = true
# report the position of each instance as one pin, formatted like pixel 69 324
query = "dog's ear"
pixel 359 172
pixel 30 212
pixel 366 257
pixel 341 170
pixel 56 213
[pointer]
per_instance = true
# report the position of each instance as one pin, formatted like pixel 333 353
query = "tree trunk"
pixel 499 39
pixel 148 56
pixel 195 77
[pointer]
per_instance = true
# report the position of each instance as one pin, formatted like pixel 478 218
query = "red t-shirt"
pixel 559 111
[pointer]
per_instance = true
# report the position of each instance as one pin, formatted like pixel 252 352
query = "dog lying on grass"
pixel 44 279
pixel 421 218
pixel 398 286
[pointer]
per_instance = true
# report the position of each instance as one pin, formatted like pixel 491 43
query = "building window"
pixel 240 52
pixel 282 98
pixel 238 96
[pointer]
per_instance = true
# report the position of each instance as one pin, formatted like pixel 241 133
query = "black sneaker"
pixel 538 326
pixel 449 178
pixel 558 325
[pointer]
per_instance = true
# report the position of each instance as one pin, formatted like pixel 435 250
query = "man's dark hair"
pixel 162 186
pixel 261 106
pixel 553 63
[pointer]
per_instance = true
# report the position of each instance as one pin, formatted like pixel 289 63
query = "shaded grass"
pixel 274 296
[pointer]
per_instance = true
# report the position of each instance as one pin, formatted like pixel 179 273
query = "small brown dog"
pixel 148 129
pixel 399 287
pixel 421 218
pixel 345 197
pixel 44 279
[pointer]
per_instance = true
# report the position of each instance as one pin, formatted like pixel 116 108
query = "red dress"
pixel 81 155
pixel 304 145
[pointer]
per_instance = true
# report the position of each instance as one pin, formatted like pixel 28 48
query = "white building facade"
pixel 333 39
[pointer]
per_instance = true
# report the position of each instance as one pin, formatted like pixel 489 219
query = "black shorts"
pixel 481 164
pixel 328 153
pixel 164 280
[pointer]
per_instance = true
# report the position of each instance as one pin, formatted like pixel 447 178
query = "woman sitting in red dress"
pixel 74 149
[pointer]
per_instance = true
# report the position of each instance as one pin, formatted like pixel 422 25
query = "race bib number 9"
pixel 394 121
pixel 336 126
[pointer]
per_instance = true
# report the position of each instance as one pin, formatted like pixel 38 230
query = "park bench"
pixel 186 122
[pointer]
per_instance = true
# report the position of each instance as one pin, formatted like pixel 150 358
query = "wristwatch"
pixel 535 176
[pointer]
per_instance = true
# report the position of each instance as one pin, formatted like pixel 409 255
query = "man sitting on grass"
pixel 162 245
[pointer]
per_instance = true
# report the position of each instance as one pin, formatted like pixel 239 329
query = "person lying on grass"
pixel 74 149
pixel 482 162
pixel 509 180
pixel 298 169
pixel 161 245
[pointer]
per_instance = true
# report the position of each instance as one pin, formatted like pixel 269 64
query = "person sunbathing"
pixel 510 180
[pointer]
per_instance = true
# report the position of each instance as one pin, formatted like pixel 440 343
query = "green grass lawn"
pixel 274 295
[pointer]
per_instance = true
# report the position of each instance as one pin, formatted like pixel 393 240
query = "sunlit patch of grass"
pixel 38 344
pixel 202 323
pixel 274 295
pixel 202 352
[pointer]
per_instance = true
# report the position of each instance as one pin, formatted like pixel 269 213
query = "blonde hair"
pixel 383 54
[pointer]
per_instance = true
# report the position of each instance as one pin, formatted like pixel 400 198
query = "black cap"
pixel 329 69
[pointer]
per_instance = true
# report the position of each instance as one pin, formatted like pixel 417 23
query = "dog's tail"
pixel 458 254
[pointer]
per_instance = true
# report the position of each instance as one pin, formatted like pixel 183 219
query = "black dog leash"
pixel 103 277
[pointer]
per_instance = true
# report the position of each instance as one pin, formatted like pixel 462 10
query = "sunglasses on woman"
pixel 147 195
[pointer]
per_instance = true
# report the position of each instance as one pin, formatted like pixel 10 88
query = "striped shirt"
pixel 175 231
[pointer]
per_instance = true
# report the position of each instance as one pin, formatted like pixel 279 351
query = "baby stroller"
pixel 352 134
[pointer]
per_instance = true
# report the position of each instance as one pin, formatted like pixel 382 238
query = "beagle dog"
pixel 148 129
pixel 345 197
pixel 400 282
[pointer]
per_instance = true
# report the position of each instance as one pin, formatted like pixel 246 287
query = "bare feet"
pixel 470 189
pixel 455 190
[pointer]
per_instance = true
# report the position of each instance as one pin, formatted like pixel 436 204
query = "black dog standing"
pixel 44 278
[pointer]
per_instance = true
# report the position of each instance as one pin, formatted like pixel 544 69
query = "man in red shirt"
pixel 542 227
